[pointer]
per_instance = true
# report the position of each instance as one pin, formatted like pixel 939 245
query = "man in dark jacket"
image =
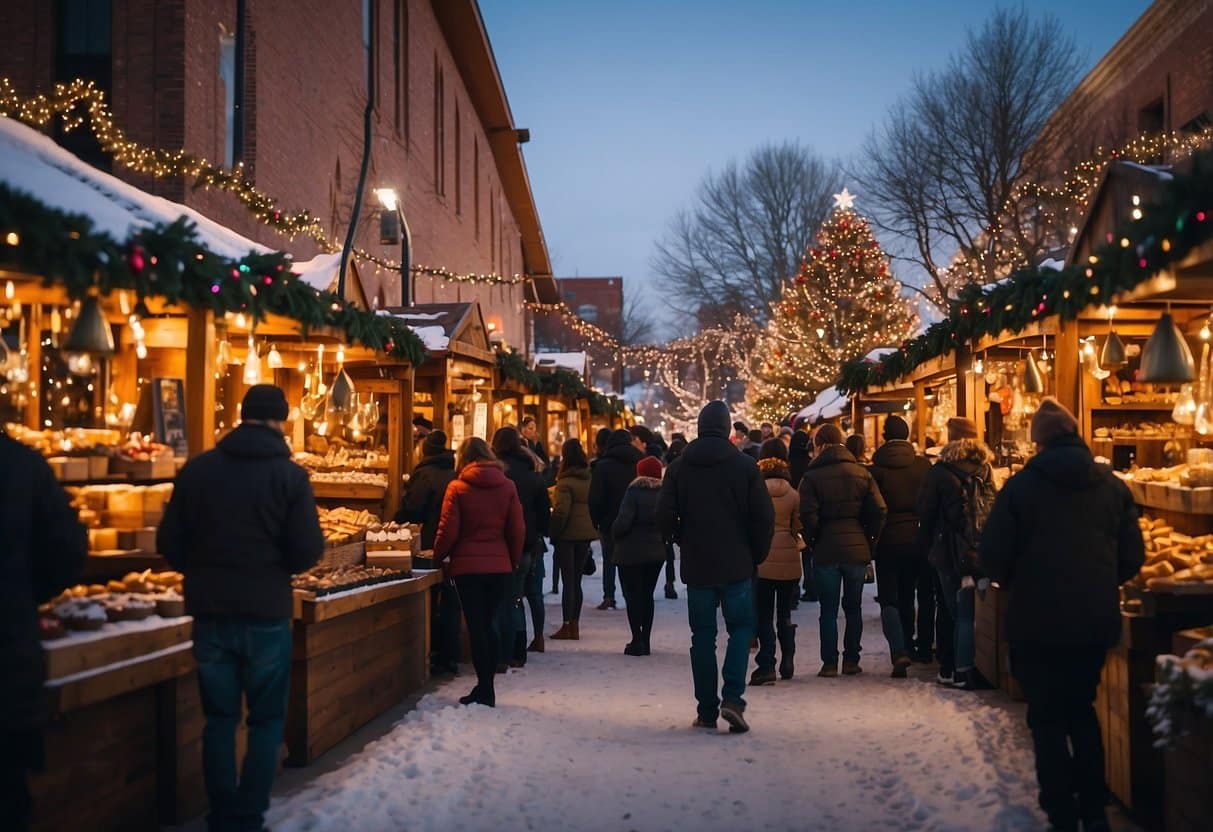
pixel 842 513
pixel 798 463
pixel 520 467
pixel 899 473
pixel 241 521
pixel 423 504
pixel 714 504
pixel 610 477
pixel 44 548
pixel 1063 537
pixel 944 513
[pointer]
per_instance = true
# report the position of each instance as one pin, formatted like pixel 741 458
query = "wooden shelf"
pixel 1134 407
pixel 117 479
pixel 348 491
pixel 1133 440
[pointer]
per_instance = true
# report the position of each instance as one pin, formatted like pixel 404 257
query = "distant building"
pixel 596 300
pixel 281 88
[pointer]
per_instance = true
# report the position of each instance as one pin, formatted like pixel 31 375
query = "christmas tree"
pixel 843 303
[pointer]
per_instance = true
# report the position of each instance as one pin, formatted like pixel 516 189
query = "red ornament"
pixel 136 260
pixel 800 279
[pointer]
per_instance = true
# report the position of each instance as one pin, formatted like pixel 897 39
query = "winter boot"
pixel 733 714
pixel 536 645
pixel 700 722
pixel 634 648
pixel 851 668
pixel 762 676
pixel 471 698
pixel 828 671
pixel 901 664
pixel 787 650
pixel 518 659
pixel 567 632
pixel 670 592
pixel 607 604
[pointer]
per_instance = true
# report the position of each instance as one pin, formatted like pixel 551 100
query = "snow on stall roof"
pixel 574 361
pixel 434 338
pixel 829 404
pixel 879 353
pixel 320 272
pixel 33 163
pixel 1052 263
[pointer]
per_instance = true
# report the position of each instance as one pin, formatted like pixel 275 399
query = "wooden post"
pixel 395 456
pixel 441 397
pixel 1066 368
pixel 33 349
pixel 200 381
pixel 966 392
pixel 407 392
pixel 920 413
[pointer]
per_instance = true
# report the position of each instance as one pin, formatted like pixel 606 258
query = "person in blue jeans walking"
pixel 714 504
pixel 944 515
pixel 842 512
pixel 241 521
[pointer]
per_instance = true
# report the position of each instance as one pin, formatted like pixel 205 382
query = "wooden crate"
pixel 1132 766
pixel 347 554
pixel 354 657
pixel 1189 776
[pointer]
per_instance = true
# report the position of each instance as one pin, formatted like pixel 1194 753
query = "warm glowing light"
pixel 387 198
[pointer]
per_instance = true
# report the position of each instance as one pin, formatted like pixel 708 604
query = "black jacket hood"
pixel 254 441
pixel 832 455
pixel 895 453
pixel 626 453
pixel 443 459
pixel 1067 461
pixel 709 450
pixel 714 420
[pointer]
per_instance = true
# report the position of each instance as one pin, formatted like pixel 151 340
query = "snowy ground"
pixel 586 738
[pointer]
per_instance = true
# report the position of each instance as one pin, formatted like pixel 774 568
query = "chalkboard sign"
pixel 168 405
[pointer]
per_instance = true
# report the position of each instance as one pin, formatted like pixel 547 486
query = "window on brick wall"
pixel 476 182
pixel 400 58
pixel 227 80
pixel 458 163
pixel 84 50
pixel 439 130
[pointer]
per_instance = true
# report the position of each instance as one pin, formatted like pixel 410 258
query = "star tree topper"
pixel 844 201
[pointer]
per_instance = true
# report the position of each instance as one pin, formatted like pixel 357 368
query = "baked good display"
pixel 128 607
pixel 349 478
pixel 50 628
pixel 169 604
pixel 1173 559
pixel 81 614
pixel 325 580
pixel 344 525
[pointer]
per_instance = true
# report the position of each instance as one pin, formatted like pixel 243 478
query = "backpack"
pixel 977 494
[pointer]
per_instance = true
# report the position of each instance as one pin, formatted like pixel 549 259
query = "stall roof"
pixel 446 327
pixel 578 362
pixel 33 163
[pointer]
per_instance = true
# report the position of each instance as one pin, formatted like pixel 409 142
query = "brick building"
pixel 597 300
pixel 281 86
pixel 1157 78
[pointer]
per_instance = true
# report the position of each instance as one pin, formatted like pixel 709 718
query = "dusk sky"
pixel 629 103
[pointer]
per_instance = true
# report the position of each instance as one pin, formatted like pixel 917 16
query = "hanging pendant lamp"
pixel 1112 356
pixel 341 392
pixel 1166 357
pixel 90 333
pixel 1033 382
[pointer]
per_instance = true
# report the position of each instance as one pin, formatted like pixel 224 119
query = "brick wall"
pixel 305 84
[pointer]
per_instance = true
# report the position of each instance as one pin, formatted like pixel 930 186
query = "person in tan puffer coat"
pixel 779 575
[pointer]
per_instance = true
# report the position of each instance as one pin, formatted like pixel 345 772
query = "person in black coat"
pixel 899 473
pixel 843 513
pixel 678 444
pixel 44 549
pixel 714 504
pixel 422 504
pixel 241 521
pixel 524 469
pixel 610 477
pixel 1062 537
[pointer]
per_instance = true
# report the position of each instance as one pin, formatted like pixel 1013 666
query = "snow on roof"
pixel 1163 173
pixel 434 338
pixel 879 353
pixel 320 272
pixel 575 361
pixel 1052 263
pixel 33 163
pixel 829 404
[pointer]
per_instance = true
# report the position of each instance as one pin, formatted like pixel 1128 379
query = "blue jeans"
pixel 608 567
pixel 961 604
pixel 241 656
pixel 736 601
pixel 831 581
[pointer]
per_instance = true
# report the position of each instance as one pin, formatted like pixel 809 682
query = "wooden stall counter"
pixel 356 653
pixel 102 742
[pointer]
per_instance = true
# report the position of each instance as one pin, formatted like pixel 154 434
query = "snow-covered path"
pixel 586 738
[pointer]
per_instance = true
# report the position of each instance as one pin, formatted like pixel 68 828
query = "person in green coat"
pixel 571 530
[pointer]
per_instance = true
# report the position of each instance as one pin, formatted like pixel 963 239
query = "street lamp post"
pixel 393 228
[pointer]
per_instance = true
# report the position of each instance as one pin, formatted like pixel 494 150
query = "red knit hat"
pixel 650 466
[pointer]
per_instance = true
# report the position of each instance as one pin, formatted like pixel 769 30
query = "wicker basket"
pixel 347 554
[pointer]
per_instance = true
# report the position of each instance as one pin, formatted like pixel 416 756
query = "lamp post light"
pixel 394 228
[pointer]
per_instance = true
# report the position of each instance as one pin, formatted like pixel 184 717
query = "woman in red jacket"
pixel 481 533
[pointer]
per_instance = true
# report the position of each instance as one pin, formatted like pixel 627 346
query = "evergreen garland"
pixel 167 261
pixel 1166 233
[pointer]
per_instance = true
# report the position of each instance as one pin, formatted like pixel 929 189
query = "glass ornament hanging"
pixel 1185 407
pixel 1203 418
pixel 252 364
